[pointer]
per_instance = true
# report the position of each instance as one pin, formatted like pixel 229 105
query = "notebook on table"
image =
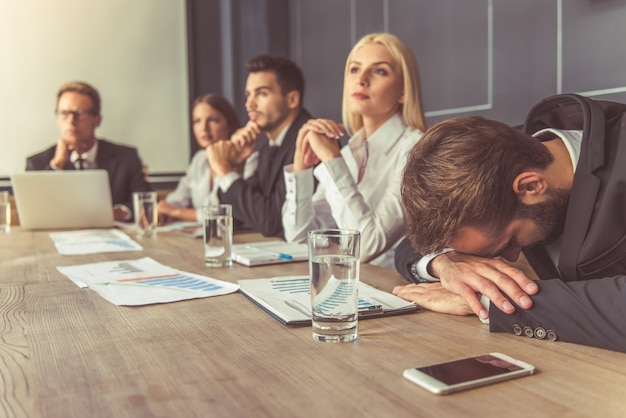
pixel 63 199
pixel 262 253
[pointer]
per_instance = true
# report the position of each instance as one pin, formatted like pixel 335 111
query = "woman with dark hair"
pixel 213 119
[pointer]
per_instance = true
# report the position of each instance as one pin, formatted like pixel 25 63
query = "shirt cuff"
pixel 421 266
pixel 298 185
pixel 228 180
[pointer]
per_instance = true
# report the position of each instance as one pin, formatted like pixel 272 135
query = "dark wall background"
pixel 495 58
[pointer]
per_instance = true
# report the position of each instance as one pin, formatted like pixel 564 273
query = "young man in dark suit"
pixel 476 189
pixel 78 116
pixel 274 92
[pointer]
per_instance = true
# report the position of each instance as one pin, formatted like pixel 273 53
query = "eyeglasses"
pixel 78 114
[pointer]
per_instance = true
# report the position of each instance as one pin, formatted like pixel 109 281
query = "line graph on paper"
pixel 299 285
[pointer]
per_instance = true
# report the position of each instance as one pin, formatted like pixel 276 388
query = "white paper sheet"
pixel 288 299
pixel 144 281
pixel 93 241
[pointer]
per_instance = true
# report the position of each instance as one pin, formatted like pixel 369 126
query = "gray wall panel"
pixel 525 59
pixel 434 28
pixel 323 45
pixel 537 48
pixel 369 16
pixel 594 45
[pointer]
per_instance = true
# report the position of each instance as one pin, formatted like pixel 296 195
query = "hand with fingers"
pixel 434 297
pixel 318 140
pixel 61 153
pixel 245 142
pixel 470 276
pixel 222 156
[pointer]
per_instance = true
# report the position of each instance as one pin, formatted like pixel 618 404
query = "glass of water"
pixel 217 222
pixel 334 270
pixel 5 212
pixel 146 214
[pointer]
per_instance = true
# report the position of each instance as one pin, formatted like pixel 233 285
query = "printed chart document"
pixel 93 241
pixel 144 281
pixel 269 252
pixel 288 299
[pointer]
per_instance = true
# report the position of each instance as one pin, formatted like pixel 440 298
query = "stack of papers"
pixel 144 281
pixel 288 299
pixel 269 252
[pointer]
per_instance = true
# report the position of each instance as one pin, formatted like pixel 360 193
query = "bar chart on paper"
pixel 144 281
pixel 178 281
pixel 299 285
pixel 288 299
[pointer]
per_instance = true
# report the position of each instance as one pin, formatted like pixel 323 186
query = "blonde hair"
pixel 412 112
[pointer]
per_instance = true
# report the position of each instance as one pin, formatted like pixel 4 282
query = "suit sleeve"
pixel 405 256
pixel 257 211
pixel 40 161
pixel 589 312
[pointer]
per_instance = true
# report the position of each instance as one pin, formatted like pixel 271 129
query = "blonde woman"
pixel 359 185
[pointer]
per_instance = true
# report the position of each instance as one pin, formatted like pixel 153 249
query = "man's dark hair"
pixel 461 174
pixel 288 75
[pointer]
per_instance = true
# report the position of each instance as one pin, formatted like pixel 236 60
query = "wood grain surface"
pixel 67 352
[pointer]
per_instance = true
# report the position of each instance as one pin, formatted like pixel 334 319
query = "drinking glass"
pixel 334 270
pixel 217 222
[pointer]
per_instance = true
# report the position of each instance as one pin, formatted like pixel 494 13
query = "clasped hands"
pixel 226 156
pixel 463 279
pixel 318 140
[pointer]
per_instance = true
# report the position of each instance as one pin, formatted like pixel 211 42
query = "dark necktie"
pixel 81 163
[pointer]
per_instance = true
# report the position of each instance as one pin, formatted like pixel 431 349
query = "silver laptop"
pixel 63 199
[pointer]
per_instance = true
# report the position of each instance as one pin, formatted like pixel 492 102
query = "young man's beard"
pixel 549 216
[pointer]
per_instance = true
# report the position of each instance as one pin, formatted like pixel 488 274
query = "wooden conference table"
pixel 67 352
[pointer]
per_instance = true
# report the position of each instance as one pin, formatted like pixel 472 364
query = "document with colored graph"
pixel 144 281
pixel 288 299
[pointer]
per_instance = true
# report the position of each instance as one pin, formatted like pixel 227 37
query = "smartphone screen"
pixel 467 373
pixel 467 369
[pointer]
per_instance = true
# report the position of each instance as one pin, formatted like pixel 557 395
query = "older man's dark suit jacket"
pixel 576 308
pixel 121 162
pixel 258 201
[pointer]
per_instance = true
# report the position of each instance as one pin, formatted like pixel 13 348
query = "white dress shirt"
pixel 194 189
pixel 372 205
pixel 89 158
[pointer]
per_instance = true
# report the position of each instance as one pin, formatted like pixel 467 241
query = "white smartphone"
pixel 467 373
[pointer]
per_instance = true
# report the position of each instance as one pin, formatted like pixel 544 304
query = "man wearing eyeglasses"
pixel 78 116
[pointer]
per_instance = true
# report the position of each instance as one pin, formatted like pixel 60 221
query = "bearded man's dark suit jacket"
pixel 585 303
pixel 257 202
pixel 121 162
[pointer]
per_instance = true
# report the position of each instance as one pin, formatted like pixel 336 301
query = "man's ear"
pixel 530 187
pixel 293 99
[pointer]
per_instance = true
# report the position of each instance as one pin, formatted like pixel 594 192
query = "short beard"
pixel 549 216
